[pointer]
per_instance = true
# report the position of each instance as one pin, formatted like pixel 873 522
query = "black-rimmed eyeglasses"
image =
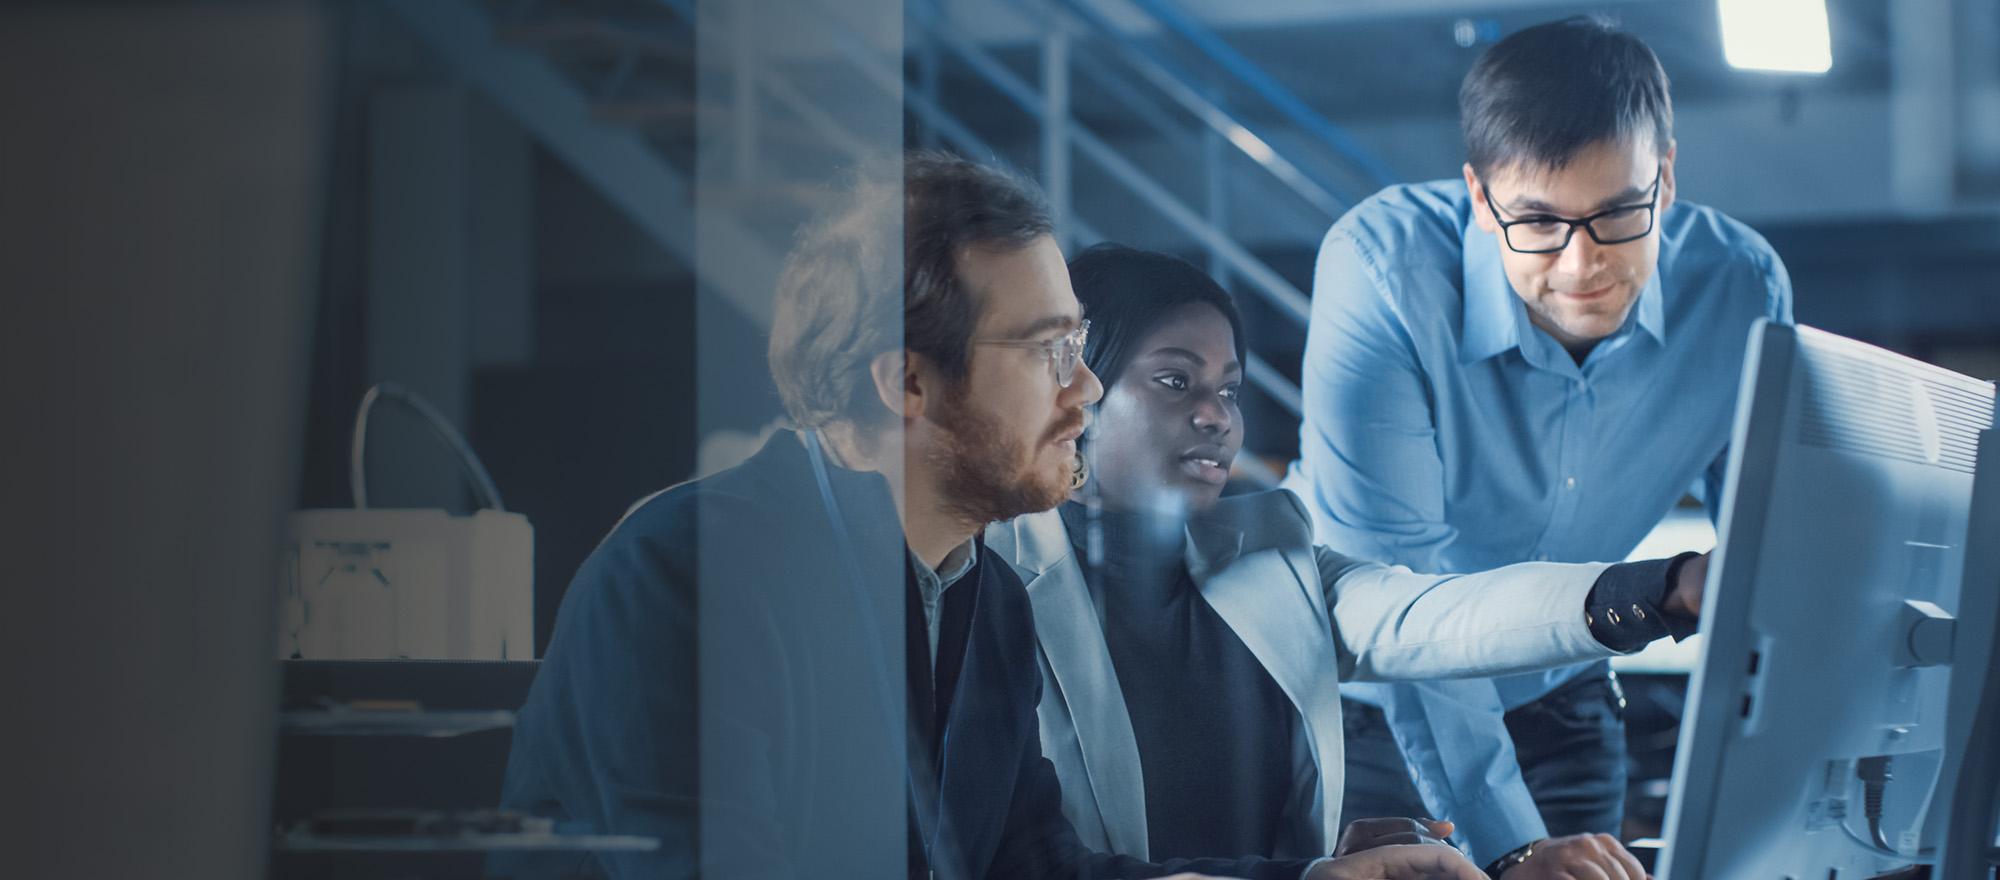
pixel 1547 233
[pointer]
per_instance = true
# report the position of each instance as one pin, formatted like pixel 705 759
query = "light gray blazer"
pixel 1252 558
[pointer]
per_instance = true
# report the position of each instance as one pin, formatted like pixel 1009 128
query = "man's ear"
pixel 896 386
pixel 1480 213
pixel 1667 189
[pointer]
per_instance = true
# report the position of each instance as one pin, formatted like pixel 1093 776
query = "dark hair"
pixel 1542 95
pixel 1126 292
pixel 950 204
pixel 836 308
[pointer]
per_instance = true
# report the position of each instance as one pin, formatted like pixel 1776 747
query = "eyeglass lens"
pixel 1068 352
pixel 1619 226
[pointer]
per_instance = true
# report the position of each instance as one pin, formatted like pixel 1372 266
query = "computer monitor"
pixel 1969 783
pixel 1842 543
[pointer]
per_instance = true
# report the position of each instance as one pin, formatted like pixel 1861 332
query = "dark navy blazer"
pixel 727 675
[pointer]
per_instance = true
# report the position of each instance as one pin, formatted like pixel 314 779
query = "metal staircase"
pixel 608 85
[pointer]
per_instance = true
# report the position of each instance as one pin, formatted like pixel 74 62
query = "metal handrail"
pixel 1186 91
pixel 1129 97
pixel 1280 292
pixel 814 115
pixel 1274 383
pixel 889 80
pixel 1170 15
pixel 624 166
pixel 1267 282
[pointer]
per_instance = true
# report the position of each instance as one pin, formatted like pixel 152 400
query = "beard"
pixel 987 475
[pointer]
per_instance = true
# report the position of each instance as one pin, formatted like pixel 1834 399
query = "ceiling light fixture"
pixel 1788 36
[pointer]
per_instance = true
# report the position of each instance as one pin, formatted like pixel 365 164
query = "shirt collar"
pixel 950 570
pixel 1651 313
pixel 1493 315
pixel 1495 320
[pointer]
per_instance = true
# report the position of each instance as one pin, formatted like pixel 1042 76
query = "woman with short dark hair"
pixel 1192 644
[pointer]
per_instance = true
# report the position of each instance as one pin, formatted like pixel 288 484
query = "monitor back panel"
pixel 1847 493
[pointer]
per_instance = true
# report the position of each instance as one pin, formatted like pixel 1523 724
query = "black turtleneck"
pixel 1215 732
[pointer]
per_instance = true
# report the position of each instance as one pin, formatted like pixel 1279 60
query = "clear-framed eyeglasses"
pixel 1547 233
pixel 1064 352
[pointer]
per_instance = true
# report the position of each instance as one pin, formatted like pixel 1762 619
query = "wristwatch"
pixel 1500 865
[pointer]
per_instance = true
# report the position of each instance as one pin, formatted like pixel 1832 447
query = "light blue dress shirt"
pixel 1445 432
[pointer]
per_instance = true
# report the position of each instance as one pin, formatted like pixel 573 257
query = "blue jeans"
pixel 1570 743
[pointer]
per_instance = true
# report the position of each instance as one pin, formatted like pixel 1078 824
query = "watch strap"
pixel 1500 865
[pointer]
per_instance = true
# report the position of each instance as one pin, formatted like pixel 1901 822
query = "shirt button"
pixel 1541 557
pixel 1569 482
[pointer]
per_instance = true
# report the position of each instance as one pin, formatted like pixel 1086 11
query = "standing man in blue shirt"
pixel 1533 363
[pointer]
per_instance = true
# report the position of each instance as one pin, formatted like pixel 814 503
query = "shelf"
pixel 517 842
pixel 441 831
pixel 434 724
